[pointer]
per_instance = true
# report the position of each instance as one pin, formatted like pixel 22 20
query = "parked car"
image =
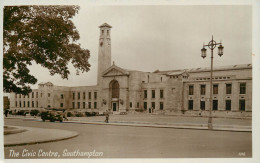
pixel 51 116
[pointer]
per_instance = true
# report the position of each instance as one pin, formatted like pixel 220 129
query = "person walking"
pixel 107 117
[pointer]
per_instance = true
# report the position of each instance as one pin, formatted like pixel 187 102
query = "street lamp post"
pixel 211 45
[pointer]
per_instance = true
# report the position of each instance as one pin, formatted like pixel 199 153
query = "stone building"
pixel 175 92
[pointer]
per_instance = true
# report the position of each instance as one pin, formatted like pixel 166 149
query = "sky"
pixel 147 38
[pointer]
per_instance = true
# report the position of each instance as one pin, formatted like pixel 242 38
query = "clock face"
pixel 101 43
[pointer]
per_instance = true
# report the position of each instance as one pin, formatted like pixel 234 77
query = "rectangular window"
pixel 153 105
pixel 145 105
pixel 37 104
pixel 73 96
pixel 161 105
pixel 215 104
pixel 202 89
pixel 89 95
pixel 190 107
pixel 190 89
pixel 137 104
pixel 36 94
pixel 242 105
pixel 73 105
pixel 228 88
pixel 78 104
pixel 32 94
pixel 15 103
pixel 28 104
pixel 228 104
pixel 61 105
pixel 89 105
pixel 19 95
pixel 78 95
pixel 20 104
pixel 84 105
pixel 61 96
pixel 130 105
pixel 95 105
pixel 161 93
pixel 95 95
pixel 84 95
pixel 202 105
pixel 24 104
pixel 242 88
pixel 49 95
pixel 153 93
pixel 145 93
pixel 215 89
pixel 23 96
pixel 33 104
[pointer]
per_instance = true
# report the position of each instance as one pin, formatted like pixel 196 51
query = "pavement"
pixel 41 135
pixel 33 135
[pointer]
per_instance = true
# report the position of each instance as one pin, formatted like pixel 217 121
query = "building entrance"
pixel 114 106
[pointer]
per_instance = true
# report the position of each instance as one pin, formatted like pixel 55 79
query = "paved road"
pixel 139 142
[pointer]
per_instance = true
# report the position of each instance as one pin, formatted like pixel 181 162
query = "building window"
pixel 145 105
pixel 15 95
pixel 242 88
pixel 228 104
pixel 161 93
pixel 202 105
pixel 89 95
pixel 95 105
pixel 89 105
pixel 242 105
pixel 24 104
pixel 73 96
pixel 202 89
pixel 61 105
pixel 37 104
pixel 137 104
pixel 130 104
pixel 228 88
pixel 28 104
pixel 32 104
pixel 20 104
pixel 41 95
pixel 153 105
pixel 190 107
pixel 84 105
pixel 32 94
pixel 78 95
pixel 153 93
pixel 84 95
pixel 49 95
pixel 145 93
pixel 73 105
pixel 215 104
pixel 161 105
pixel 215 89
pixel 15 103
pixel 19 95
pixel 61 96
pixel 36 94
pixel 107 32
pixel 190 89
pixel 79 105
pixel 95 95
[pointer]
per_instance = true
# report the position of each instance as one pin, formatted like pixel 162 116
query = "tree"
pixel 45 35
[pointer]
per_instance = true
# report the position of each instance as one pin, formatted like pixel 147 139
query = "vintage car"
pixel 51 116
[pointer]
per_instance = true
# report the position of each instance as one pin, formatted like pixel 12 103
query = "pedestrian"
pixel 107 117
pixel 6 113
pixel 65 115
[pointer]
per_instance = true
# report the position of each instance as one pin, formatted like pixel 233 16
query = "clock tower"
pixel 104 50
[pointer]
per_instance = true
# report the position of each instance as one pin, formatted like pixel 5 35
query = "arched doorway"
pixel 114 89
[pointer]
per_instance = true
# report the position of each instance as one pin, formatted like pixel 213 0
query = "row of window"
pixel 153 93
pixel 215 89
pixel 31 94
pixel 242 105
pixel 153 106
pixel 28 104
pixel 84 105
pixel 84 95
